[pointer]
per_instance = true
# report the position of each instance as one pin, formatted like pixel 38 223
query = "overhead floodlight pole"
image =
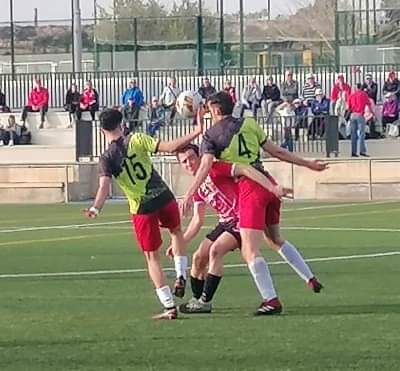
pixel 77 36
pixel 12 39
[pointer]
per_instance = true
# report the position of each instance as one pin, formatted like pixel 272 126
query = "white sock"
pixel 165 296
pixel 262 277
pixel 181 264
pixel 292 256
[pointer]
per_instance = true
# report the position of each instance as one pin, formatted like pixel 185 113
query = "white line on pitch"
pixel 141 270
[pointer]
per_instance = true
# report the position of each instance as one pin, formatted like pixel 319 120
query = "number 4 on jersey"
pixel 243 149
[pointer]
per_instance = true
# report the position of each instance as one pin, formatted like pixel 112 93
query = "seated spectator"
pixel 89 101
pixel 38 101
pixel 309 88
pixel 3 104
pixel 271 98
pixel 156 116
pixel 390 110
pixel 392 85
pixel 290 88
pixel 370 87
pixel 133 97
pixel 11 133
pixel 231 90
pixel 341 90
pixel 301 117
pixel 72 101
pixel 251 98
pixel 370 119
pixel 168 98
pixel 320 109
pixel 206 89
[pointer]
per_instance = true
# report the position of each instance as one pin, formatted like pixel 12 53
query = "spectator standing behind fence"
pixel 72 101
pixel 392 84
pixel 251 98
pixel 89 101
pixel 301 117
pixel 130 116
pixel 135 95
pixel 341 90
pixel 309 88
pixel 320 110
pixel 370 87
pixel 206 89
pixel 271 98
pixel 231 90
pixel 38 101
pixel 358 103
pixel 390 110
pixel 289 88
pixel 168 98
pixel 156 116
pixel 3 103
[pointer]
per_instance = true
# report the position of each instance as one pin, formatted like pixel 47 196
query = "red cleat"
pixel 269 307
pixel 168 314
pixel 315 285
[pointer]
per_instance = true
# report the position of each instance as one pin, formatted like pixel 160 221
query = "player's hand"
pixel 200 119
pixel 170 252
pixel 91 212
pixel 186 205
pixel 280 192
pixel 317 165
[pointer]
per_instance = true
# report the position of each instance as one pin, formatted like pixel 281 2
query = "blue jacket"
pixel 320 108
pixel 134 94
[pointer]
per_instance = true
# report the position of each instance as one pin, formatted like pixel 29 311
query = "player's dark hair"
pixel 224 101
pixel 359 86
pixel 190 146
pixel 110 119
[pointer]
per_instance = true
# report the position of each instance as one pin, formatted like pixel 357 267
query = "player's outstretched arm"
pixel 101 196
pixel 197 221
pixel 284 155
pixel 258 177
pixel 205 165
pixel 174 145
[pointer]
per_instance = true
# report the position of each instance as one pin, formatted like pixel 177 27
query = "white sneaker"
pixel 10 143
pixel 1 143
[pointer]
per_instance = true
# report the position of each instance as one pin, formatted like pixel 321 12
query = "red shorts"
pixel 147 226
pixel 258 207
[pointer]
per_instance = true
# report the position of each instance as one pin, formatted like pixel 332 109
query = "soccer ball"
pixel 188 103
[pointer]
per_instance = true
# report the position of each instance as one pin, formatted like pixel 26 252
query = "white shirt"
pixel 251 94
pixel 169 95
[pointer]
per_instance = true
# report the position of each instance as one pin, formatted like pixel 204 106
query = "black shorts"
pixel 220 228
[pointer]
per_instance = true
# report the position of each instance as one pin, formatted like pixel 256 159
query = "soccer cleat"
pixel 315 285
pixel 269 307
pixel 168 314
pixel 179 287
pixel 195 306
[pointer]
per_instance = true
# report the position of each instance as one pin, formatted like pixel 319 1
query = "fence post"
pixel 200 46
pixel 332 135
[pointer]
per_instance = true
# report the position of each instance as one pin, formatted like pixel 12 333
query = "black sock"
pixel 210 287
pixel 197 287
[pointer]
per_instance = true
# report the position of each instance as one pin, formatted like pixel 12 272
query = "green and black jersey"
pixel 128 160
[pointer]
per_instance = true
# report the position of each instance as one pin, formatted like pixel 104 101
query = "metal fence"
pixel 314 134
pixel 110 85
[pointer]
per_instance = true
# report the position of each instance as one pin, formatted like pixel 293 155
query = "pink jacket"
pixel 336 91
pixel 39 98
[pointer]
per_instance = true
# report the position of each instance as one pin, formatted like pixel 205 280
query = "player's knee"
pixel 199 260
pixel 215 252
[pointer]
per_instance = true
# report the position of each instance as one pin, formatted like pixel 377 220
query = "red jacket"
pixel 336 91
pixel 89 97
pixel 39 98
pixel 358 101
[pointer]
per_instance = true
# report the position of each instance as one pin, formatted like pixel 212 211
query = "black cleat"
pixel 315 285
pixel 179 287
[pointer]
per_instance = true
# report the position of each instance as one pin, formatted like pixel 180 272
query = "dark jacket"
pixel 371 90
pixel 2 99
pixel 271 92
pixel 392 87
pixel 320 108
pixel 72 98
pixel 206 92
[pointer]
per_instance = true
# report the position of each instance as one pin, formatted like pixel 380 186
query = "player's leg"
pixel 199 268
pixel 292 257
pixel 148 234
pixel 170 218
pixel 254 202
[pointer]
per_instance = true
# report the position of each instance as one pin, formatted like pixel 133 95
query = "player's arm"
pixel 286 156
pixel 197 221
pixel 101 196
pixel 258 177
pixel 173 145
